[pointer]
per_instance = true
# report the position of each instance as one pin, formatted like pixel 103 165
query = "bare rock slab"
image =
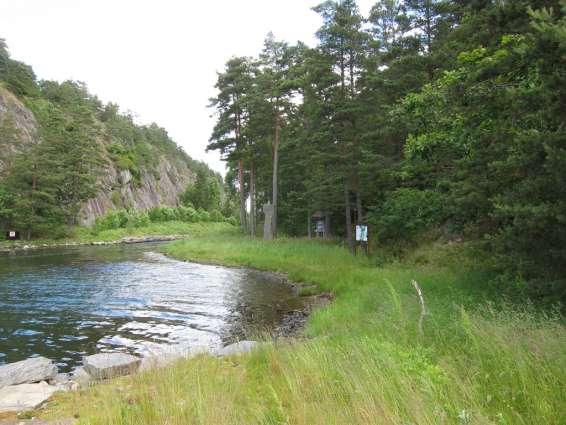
pixel 110 365
pixel 18 398
pixel 27 372
pixel 80 379
pixel 241 347
pixel 163 356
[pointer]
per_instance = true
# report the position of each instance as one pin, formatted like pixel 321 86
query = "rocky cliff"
pixel 21 121
pixel 161 183
pixel 118 189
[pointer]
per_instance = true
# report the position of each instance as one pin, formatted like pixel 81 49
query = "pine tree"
pixel 227 136
pixel 343 42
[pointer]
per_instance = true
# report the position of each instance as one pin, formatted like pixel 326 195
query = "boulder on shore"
pixel 19 398
pixel 80 379
pixel 27 371
pixel 241 347
pixel 110 365
pixel 165 355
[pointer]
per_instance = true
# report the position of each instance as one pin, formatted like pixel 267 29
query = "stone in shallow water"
pixel 19 398
pixel 27 372
pixel 110 365
pixel 238 348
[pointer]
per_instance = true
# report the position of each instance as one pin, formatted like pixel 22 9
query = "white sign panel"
pixel 12 234
pixel 361 233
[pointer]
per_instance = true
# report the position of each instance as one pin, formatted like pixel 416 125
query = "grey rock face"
pixel 110 365
pixel 159 187
pixel 23 397
pixel 27 372
pixel 238 348
pixel 23 120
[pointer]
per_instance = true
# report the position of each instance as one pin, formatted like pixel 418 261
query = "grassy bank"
pixel 88 235
pixel 480 359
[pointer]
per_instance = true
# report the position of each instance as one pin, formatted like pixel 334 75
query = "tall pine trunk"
pixel 360 213
pixel 327 226
pixel 242 194
pixel 348 212
pixel 360 218
pixel 32 197
pixel 275 188
pixel 252 200
pixel 428 17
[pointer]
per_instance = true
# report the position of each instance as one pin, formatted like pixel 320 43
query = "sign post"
pixel 362 236
pixel 12 235
pixel 320 229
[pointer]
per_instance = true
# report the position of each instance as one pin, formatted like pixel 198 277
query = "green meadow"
pixel 481 358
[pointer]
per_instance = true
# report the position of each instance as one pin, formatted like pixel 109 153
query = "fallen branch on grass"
pixel 423 307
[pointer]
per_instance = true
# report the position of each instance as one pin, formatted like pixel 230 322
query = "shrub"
pixel 188 214
pixel 139 220
pixel 162 213
pixel 203 215
pixel 107 222
pixel 116 198
pixel 216 216
pixel 407 212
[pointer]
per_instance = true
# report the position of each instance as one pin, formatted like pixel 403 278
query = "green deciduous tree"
pixel 204 193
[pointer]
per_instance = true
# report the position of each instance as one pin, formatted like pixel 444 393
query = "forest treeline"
pixel 45 183
pixel 423 115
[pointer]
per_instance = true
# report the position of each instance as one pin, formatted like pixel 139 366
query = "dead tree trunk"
pixel 252 200
pixel 242 194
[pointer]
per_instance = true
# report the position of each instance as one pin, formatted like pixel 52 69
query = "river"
pixel 67 303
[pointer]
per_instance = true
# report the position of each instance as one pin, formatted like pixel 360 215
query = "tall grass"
pixel 480 360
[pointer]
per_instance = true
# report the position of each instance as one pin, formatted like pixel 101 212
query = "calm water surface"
pixel 65 303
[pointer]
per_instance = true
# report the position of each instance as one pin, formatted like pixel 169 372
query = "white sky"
pixel 156 58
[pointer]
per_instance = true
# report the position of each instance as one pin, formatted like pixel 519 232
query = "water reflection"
pixel 65 303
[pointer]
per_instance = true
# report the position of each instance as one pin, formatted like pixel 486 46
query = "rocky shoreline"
pixel 29 384
pixel 126 240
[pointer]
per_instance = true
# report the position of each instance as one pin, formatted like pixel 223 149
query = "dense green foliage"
pixel 425 114
pixel 161 214
pixel 44 184
pixel 363 360
pixel 204 193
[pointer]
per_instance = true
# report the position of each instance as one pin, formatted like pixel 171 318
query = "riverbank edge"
pixel 290 328
pixel 122 241
pixel 314 297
